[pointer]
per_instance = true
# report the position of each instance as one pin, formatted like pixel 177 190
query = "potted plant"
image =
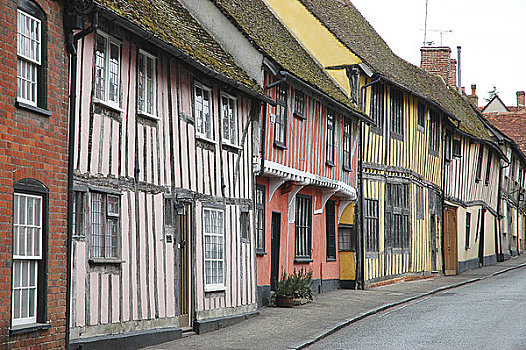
pixel 293 289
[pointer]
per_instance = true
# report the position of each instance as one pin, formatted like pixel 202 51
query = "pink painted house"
pixel 163 240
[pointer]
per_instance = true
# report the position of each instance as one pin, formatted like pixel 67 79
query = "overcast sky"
pixel 492 34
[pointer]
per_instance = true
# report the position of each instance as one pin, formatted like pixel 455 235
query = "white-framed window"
pixel 214 248
pixel 330 137
pixel 146 84
pixel 105 215
pixel 107 69
pixel 27 255
pixel 229 118
pixel 203 111
pixel 29 51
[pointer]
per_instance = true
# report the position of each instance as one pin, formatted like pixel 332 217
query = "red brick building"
pixel 33 174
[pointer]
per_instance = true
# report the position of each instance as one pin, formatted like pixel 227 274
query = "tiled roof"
pixel 512 125
pixel 268 34
pixel 171 23
pixel 352 29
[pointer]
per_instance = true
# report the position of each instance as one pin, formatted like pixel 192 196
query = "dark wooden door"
pixel 450 242
pixel 274 250
pixel 330 230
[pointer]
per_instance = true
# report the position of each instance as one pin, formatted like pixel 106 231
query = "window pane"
pixel 114 73
pixel 16 303
pixel 140 83
pixel 100 68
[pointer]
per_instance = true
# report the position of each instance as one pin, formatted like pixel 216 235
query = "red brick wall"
pixel 34 146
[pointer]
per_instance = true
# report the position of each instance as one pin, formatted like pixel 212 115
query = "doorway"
pixel 185 283
pixel 274 250
pixel 450 241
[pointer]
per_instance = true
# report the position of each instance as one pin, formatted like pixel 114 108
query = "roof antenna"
pixel 425 26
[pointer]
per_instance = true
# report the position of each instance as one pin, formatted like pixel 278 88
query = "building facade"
pixel 33 169
pixel 163 240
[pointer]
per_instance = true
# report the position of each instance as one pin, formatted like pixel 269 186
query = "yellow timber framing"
pixel 386 159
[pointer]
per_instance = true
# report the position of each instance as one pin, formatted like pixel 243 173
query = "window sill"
pixel 330 164
pixel 148 116
pixel 227 144
pixel 331 259
pixel 28 328
pixel 105 261
pixel 212 289
pixel 299 115
pixel 261 253
pixel 108 105
pixel 280 145
pixel 35 109
pixel 204 139
pixel 345 168
pixel 303 260
pixel 397 136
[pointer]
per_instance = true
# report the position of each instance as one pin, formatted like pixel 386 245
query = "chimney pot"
pixel 464 89
pixel 473 89
pixel 520 99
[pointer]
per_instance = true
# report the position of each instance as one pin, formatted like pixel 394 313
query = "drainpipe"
pixel 359 237
pixel 71 44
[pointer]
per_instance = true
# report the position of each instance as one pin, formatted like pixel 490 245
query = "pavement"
pixel 299 327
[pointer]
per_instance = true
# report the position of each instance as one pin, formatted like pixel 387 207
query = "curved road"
pixel 489 314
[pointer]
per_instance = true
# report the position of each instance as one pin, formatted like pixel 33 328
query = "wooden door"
pixel 450 242
pixel 183 243
pixel 433 243
pixel 274 250
pixel 481 240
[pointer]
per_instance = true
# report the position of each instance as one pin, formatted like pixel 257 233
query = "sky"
pixel 492 34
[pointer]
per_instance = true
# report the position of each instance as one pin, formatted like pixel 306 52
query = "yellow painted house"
pixel 402 163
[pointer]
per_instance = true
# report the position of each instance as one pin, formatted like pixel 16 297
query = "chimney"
pixel 437 60
pixel 473 97
pixel 520 99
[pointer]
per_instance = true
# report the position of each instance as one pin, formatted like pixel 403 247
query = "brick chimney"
pixel 437 60
pixel 520 99
pixel 473 97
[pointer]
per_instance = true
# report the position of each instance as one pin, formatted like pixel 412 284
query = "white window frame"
pixel 233 136
pixel 202 119
pixel 144 110
pixel 26 259
pixel 31 63
pixel 106 216
pixel 208 232
pixel 105 99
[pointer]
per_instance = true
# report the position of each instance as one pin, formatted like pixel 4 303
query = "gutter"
pixel 71 44
pixel 144 34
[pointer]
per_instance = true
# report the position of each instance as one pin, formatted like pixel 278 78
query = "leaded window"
pixel 260 218
pixel 107 69
pixel 377 105
pixel 457 148
pixel 371 224
pixel 421 120
pixel 203 111
pixel 330 137
pixel 478 171
pixel 303 226
pixel 397 216
pixel 214 246
pixel 434 133
pixel 146 82
pixel 488 168
pixel 105 214
pixel 229 117
pixel 419 202
pixel 347 156
pixel 280 125
pixel 397 112
pixel 299 103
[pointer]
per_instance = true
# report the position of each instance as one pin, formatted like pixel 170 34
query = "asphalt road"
pixel 489 314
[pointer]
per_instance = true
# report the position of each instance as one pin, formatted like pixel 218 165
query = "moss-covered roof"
pixel 347 24
pixel 262 27
pixel 171 23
